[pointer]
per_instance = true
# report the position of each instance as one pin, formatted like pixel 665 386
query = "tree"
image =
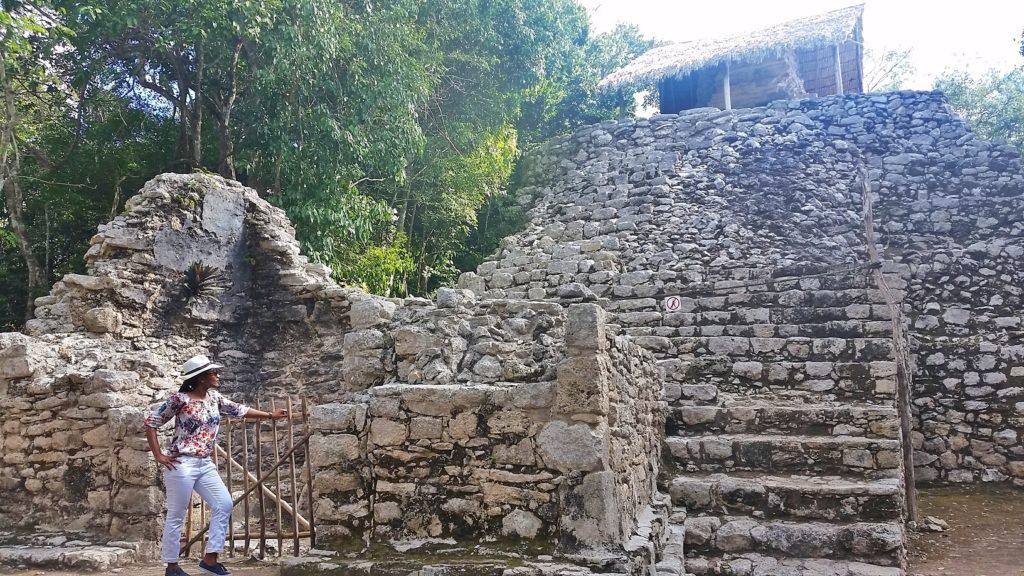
pixel 23 83
pixel 993 104
pixel 887 71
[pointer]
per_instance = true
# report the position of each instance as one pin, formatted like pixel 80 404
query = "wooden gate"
pixel 263 460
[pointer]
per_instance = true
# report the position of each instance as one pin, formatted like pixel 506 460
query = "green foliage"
pixel 992 104
pixel 379 269
pixel 203 282
pixel 389 132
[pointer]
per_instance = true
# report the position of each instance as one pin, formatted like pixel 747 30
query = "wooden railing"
pixel 240 451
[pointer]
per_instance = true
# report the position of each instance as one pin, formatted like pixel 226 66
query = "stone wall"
pixel 707 200
pixel 450 419
pixel 555 462
pixel 107 345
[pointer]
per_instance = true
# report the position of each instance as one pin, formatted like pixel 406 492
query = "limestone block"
pixel 363 370
pixel 585 329
pixel 488 367
pixel 99 437
pixel 15 362
pixel 386 512
pixel 463 426
pixel 735 536
pixel 370 312
pixel 102 320
pixel 748 370
pixel 570 448
pixel 92 283
pixel 454 298
pixel 410 341
pixel 104 380
pixel 138 500
pixel 957 316
pixel 521 523
pixel 590 512
pixel 135 467
pixel 333 482
pixel 582 386
pixel 425 427
pixel 338 417
pixel 125 420
pixel 700 530
pixel 332 449
pixel 385 432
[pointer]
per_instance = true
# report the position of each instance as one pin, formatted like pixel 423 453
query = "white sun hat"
pixel 196 365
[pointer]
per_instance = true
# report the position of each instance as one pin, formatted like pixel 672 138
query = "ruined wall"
pixel 449 419
pixel 107 345
pixel 707 201
pixel 554 461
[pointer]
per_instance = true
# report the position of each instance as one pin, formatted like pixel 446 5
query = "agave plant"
pixel 202 282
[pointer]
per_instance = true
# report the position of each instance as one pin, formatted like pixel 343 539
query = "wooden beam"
pixel 727 88
pixel 838 63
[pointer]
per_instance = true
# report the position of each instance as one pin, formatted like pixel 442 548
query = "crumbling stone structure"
pixel 521 425
pixel 769 377
pixel 527 409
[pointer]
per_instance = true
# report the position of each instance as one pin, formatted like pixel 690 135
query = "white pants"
pixel 199 474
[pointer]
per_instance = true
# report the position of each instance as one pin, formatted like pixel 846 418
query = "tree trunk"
pixel 226 166
pixel 196 143
pixel 10 168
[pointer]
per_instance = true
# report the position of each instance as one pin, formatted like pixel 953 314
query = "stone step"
pixel 878 543
pixel 753 564
pixel 70 555
pixel 788 348
pixel 824 381
pixel 830 498
pixel 448 565
pixel 792 317
pixel 776 415
pixel 837 455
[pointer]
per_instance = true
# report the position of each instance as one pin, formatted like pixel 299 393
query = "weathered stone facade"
pixel 460 421
pixel 771 377
pixel 541 405
pixel 637 210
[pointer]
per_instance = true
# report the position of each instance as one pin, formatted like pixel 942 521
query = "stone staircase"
pixel 782 440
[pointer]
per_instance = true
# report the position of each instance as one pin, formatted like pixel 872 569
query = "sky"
pixel 972 35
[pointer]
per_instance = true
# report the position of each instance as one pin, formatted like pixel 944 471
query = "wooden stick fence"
pixel 267 484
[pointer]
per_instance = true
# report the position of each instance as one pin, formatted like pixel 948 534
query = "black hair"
pixel 190 384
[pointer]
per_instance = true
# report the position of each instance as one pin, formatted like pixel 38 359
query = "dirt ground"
pixel 237 568
pixel 985 536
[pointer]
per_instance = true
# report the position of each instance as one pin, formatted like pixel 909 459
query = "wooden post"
pixel 309 476
pixel 245 479
pixel 277 484
pixel 259 468
pixel 231 522
pixel 727 88
pixel 295 481
pixel 838 63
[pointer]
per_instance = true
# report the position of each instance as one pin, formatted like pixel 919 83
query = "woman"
pixel 197 408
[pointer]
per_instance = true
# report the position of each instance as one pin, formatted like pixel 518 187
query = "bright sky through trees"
pixel 943 34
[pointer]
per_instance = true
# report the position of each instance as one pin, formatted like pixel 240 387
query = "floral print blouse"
pixel 195 428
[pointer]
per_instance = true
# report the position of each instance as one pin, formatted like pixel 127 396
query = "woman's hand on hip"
pixel 165 460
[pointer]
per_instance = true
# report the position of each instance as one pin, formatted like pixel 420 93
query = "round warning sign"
pixel 672 304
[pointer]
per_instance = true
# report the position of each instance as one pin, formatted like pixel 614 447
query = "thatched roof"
pixel 685 57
